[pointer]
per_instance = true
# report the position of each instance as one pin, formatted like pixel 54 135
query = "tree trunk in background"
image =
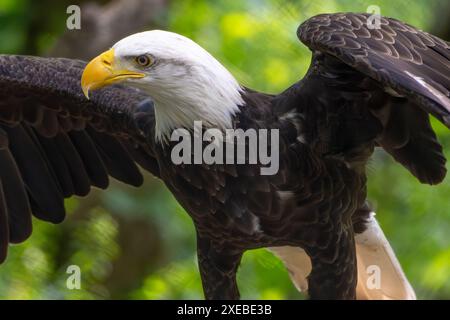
pixel 102 26
pixel 441 26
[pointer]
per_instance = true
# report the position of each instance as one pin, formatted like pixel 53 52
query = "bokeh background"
pixel 139 243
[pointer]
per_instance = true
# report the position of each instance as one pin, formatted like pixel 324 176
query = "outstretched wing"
pixel 412 70
pixel 54 143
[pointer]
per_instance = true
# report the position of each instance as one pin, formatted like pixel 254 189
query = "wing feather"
pixel 44 191
pixel 412 72
pixel 4 229
pixel 414 68
pixel 54 143
pixel 15 200
pixel 90 156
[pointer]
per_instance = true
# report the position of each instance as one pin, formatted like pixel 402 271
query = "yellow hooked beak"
pixel 101 72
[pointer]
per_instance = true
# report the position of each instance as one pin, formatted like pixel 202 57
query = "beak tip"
pixel 86 92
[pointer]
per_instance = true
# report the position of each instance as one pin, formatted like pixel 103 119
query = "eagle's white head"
pixel 186 83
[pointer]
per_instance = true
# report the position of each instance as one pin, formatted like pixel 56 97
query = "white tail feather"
pixel 380 276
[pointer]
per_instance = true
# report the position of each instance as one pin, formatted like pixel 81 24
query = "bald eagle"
pixel 365 88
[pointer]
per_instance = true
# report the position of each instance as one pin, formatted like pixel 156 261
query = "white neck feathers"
pixel 186 83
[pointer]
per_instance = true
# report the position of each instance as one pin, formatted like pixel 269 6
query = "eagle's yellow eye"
pixel 143 60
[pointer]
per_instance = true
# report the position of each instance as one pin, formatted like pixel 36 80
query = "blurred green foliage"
pixel 140 243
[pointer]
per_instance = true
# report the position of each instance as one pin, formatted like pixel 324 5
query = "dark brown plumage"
pixel 365 88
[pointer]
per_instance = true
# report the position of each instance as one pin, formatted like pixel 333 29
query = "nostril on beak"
pixel 106 63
